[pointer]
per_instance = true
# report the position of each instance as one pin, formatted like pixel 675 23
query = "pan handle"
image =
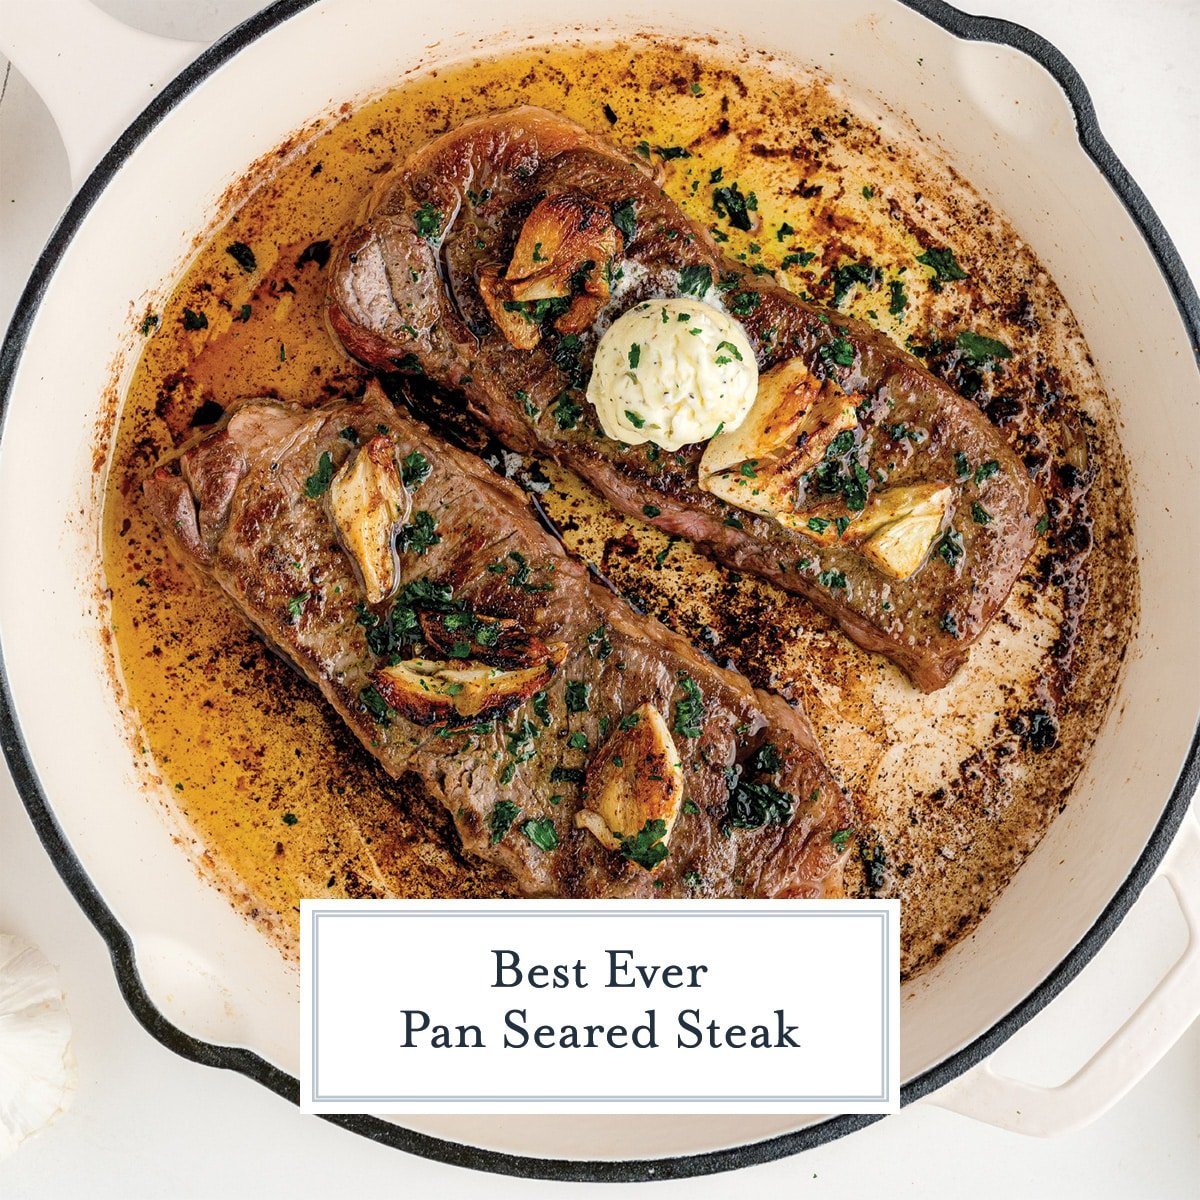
pixel 92 72
pixel 1128 1054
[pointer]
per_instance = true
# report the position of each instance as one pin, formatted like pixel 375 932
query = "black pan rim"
pixel 959 24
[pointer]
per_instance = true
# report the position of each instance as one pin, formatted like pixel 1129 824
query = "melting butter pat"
pixel 672 372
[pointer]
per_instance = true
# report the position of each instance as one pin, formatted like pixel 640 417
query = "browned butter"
pixel 954 789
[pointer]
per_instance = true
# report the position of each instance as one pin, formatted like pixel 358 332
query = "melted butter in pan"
pixel 954 788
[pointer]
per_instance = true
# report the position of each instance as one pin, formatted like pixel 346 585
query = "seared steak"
pixel 587 748
pixel 423 285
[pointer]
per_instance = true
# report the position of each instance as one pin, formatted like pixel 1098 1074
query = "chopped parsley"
pixel 981 350
pixel 541 833
pixel 847 276
pixel 624 216
pixel 986 470
pixel 832 579
pixel 744 303
pixel 651 510
pixel 942 263
pixel 194 320
pixel 635 356
pixel 950 547
pixel 629 722
pixel 948 624
pixel 541 708
pixel 295 606
pixel 799 258
pixel 420 534
pixel 598 642
pixel 646 846
pixel 428 221
pixel 577 696
pixel 635 419
pixel 753 805
pixel 899 301
pixel 838 353
pixel 689 712
pixel 695 280
pixel 567 775
pixel 962 465
pixel 371 698
pixel 566 412
pixel 504 813
pixel 730 203
pixel 578 741
pixel 840 837
pixel 317 484
pixel 242 255
pixel 415 469
pixel 734 352
pixel 979 514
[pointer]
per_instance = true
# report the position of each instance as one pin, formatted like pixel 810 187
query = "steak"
pixel 538 707
pixel 415 288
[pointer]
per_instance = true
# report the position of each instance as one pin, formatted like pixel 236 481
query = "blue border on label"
pixel 884 916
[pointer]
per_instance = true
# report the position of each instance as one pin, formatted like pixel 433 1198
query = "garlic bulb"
pixel 37 1068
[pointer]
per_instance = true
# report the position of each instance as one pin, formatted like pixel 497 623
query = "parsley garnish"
pixel 986 470
pixel 950 547
pixel 372 700
pixel 318 482
pixel 689 712
pixel 428 221
pixel 982 350
pixel 242 255
pixel 577 696
pixel 566 412
pixel 943 265
pixel 839 352
pixel 504 813
pixel 415 469
pixel 753 805
pixel 695 281
pixel 624 216
pixel 646 846
pixel 541 833
pixel 295 606
pixel 420 534
pixel 635 419
pixel 729 202
pixel 194 320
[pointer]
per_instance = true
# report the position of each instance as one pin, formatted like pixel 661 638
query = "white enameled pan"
pixel 1015 119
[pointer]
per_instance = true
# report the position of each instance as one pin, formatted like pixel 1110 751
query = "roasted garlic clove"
pixel 564 250
pixel 901 524
pixel 367 501
pixel 518 329
pixel 429 692
pixel 758 466
pixel 635 778
pixel 560 238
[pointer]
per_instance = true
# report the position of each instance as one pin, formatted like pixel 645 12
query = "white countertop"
pixel 148 1124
